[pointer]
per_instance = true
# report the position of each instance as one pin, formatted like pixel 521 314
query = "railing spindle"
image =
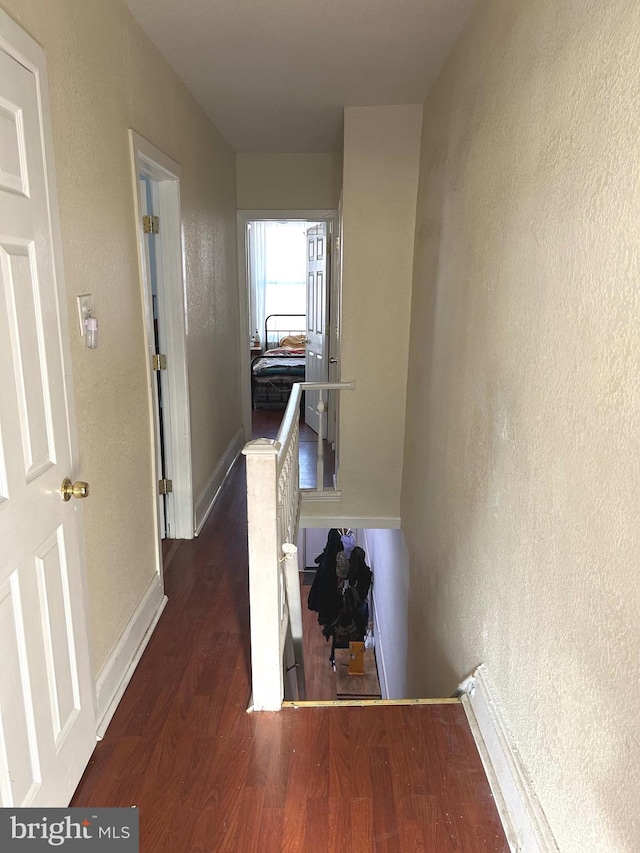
pixel 320 408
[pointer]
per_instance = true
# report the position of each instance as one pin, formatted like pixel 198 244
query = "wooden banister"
pixel 273 511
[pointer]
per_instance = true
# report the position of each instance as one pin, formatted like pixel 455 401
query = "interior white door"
pixel 47 717
pixel 317 362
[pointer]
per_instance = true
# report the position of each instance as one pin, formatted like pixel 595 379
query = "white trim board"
pixel 207 500
pixel 523 819
pixel 116 673
pixel 148 160
pixel 379 651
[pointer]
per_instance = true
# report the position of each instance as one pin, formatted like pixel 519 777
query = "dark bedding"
pixel 274 374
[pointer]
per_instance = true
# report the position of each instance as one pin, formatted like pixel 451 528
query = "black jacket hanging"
pixel 339 593
pixel 324 597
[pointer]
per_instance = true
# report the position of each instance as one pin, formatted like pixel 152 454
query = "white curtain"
pixel 277 270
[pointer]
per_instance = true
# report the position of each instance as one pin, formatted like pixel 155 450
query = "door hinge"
pixel 165 486
pixel 159 362
pixel 151 224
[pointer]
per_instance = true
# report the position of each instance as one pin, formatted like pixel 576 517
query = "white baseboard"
pixel 379 651
pixel 121 663
pixel 523 819
pixel 207 500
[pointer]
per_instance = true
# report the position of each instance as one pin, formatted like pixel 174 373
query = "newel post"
pixel 265 586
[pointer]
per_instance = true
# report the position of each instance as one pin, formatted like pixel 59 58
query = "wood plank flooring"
pixel 207 776
pixel 320 679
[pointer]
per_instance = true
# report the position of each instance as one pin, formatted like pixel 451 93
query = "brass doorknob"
pixel 74 490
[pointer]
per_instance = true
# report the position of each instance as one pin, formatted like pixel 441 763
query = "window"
pixel 277 271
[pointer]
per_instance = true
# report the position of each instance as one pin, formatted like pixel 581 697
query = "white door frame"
pixel 148 160
pixel 335 327
pixel 245 216
pixel 149 205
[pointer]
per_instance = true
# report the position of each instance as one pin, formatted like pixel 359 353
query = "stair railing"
pixel 273 512
pixel 321 409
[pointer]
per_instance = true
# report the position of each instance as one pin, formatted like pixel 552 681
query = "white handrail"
pixel 291 419
pixel 273 510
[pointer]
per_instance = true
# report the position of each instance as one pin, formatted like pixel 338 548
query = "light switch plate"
pixel 85 307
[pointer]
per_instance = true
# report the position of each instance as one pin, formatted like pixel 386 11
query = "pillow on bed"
pixel 293 341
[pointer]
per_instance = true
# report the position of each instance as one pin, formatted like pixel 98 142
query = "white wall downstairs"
pixel 521 480
pixel 387 556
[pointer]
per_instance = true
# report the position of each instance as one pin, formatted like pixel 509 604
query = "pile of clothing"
pixel 339 591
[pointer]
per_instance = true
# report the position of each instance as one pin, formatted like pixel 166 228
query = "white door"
pixel 317 362
pixel 47 717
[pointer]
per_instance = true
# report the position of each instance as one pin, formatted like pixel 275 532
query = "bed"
pixel 281 364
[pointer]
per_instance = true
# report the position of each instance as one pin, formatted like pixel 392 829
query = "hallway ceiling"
pixel 274 75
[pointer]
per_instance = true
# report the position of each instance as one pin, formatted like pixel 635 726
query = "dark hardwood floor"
pixel 207 776
pixel 320 679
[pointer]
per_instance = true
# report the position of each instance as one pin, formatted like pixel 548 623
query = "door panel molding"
pixel 317 345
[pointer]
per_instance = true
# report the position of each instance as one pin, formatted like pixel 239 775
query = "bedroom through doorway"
pixel 291 327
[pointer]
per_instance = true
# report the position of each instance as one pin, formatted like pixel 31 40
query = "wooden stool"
pixel 364 686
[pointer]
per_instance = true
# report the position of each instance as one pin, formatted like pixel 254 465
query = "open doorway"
pixel 290 297
pixel 157 205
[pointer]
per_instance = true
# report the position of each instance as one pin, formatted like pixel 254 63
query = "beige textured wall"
pixel 105 77
pixel 521 501
pixel 288 181
pixel 381 161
